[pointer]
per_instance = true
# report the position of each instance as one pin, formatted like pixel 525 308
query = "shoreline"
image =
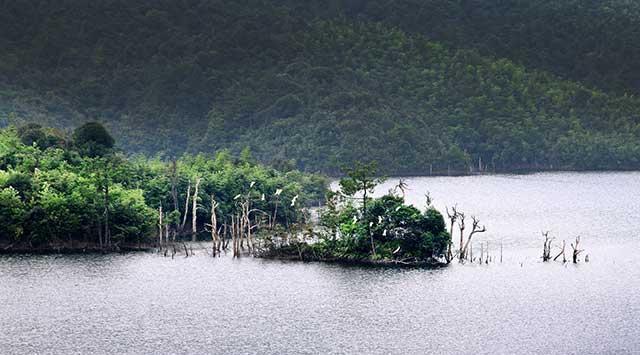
pixel 70 248
pixel 497 173
pixel 384 263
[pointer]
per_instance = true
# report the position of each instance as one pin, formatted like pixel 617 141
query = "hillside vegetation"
pixel 593 41
pixel 320 87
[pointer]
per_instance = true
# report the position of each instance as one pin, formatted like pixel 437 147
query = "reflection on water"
pixel 143 303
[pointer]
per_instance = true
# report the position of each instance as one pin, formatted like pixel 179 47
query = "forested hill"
pixel 322 86
pixel 594 41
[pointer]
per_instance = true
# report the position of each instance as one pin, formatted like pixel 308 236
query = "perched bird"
pixel 398 208
pixel 370 224
pixel 355 219
pixel 293 201
pixel 384 233
pixel 252 184
pixel 262 198
pixel 379 219
pixel 278 192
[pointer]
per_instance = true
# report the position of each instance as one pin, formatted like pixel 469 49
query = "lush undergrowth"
pixel 60 190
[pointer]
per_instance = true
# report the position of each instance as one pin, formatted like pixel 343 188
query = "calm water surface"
pixel 143 303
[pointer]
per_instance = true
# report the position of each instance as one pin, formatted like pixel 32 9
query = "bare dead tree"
pixel 234 237
pixel 402 186
pixel 215 236
pixel 475 228
pixel 225 240
pixel 166 229
pixel 461 226
pixel 576 250
pixel 453 216
pixel 186 207
pixel 160 226
pixel 194 210
pixel 561 253
pixel 546 247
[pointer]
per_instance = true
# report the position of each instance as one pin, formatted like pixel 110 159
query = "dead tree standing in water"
pixel 186 208
pixel 576 250
pixel 475 228
pixel 160 227
pixel 564 259
pixel 215 237
pixel 453 216
pixel 546 247
pixel 194 210
pixel 461 226
pixel 234 237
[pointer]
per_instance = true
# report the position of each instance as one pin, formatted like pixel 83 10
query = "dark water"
pixel 143 303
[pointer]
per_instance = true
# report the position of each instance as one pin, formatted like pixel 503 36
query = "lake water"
pixel 144 303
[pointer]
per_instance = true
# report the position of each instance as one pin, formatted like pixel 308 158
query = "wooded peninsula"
pixel 78 193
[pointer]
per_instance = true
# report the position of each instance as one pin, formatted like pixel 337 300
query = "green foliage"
pixel 92 139
pixel 12 211
pixel 592 41
pixel 419 86
pixel 360 178
pixel 33 133
pixel 400 232
pixel 57 195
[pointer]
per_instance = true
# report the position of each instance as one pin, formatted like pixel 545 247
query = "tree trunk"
pixel 166 232
pixel 174 182
pixel 186 208
pixel 100 234
pixel 564 259
pixel 160 227
pixel 275 215
pixel 214 228
pixel 194 210
pixel 107 229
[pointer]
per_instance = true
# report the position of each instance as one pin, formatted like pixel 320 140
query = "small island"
pixel 356 228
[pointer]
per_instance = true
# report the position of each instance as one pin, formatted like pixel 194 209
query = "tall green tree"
pixel 362 179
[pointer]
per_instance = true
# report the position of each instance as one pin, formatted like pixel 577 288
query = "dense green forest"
pixel 77 191
pixel 419 86
pixel 592 41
